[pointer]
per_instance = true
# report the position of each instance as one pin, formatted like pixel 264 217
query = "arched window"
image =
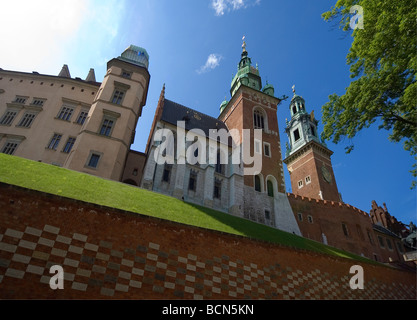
pixel 258 184
pixel 270 188
pixel 258 120
pixel 294 109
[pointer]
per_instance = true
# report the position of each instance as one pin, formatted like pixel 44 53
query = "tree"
pixel 383 65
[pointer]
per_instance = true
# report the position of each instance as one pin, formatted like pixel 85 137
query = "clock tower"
pixel 307 158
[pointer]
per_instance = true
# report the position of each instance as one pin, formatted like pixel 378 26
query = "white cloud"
pixel 221 6
pixel 213 61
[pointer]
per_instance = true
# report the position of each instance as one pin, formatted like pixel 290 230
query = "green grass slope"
pixel 87 188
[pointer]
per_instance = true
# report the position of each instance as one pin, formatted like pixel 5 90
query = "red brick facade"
pixel 110 254
pixel 344 227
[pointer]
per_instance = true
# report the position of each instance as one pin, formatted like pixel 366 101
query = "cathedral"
pixel 90 126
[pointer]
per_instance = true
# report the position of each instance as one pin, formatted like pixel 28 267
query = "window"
pixel 257 146
pixel 93 160
pixel 308 179
pixel 359 230
pixel 300 216
pixel 27 120
pixel 371 240
pixel 217 189
pixel 82 117
pixel 21 100
pixel 192 183
pixel 294 109
pixel 56 139
pixel 126 74
pixel 258 184
pixel 389 244
pixel 296 135
pixel 38 102
pixel 267 215
pixel 65 113
pixel 267 149
pixel 219 166
pixel 310 219
pixel 68 146
pixel 270 188
pixel 381 242
pixel 8 118
pixel 106 127
pixel 258 120
pixel 313 131
pixel 166 176
pixel 9 148
pixel 399 247
pixel 118 96
pixel 300 184
pixel 345 229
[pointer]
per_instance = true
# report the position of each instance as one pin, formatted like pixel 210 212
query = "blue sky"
pixel 194 48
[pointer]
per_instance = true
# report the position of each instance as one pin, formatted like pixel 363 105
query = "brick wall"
pixel 320 217
pixel 110 254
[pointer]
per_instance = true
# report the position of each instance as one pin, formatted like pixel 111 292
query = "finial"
pixel 244 43
pixel 293 89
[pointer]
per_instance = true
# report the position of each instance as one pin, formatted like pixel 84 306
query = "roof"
pixel 174 112
pixel 384 230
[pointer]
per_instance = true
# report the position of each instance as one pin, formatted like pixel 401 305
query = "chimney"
pixel 91 77
pixel 64 72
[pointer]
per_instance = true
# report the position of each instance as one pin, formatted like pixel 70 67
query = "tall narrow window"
pixel 118 96
pixel 68 146
pixel 8 118
pixel 93 161
pixel 258 184
pixel 56 139
pixel 296 135
pixel 65 113
pixel 27 120
pixel 219 166
pixel 217 189
pixel 258 120
pixel 192 182
pixel 267 149
pixel 270 188
pixel 166 176
pixel 106 127
pixel 82 117
pixel 345 229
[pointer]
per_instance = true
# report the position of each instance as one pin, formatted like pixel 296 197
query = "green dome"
pixel 223 105
pixel 269 89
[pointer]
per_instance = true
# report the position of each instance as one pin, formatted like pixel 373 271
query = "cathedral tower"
pixel 307 158
pixel 105 138
pixel 253 106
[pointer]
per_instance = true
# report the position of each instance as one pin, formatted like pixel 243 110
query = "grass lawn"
pixel 84 187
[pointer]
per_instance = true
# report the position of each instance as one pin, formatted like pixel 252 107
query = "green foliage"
pixel 75 185
pixel 383 65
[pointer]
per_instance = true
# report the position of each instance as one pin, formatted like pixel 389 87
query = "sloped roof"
pixel 174 112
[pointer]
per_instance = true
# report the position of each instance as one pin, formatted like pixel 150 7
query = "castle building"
pixel 89 126
pixel 222 184
pixel 77 124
